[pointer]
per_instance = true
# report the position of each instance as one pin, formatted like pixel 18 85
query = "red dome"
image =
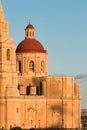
pixel 30 45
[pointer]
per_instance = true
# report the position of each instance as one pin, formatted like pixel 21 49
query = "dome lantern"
pixel 31 56
pixel 30 44
pixel 30 31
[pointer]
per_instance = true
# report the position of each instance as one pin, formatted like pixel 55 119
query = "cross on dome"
pixel 29 21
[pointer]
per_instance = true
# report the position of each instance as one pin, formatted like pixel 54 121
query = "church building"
pixel 29 97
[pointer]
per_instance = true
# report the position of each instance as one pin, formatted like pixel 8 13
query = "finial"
pixel 29 21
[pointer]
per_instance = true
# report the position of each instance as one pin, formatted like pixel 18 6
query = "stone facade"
pixel 29 98
pixel 37 58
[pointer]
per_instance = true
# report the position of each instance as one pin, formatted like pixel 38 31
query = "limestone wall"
pixel 37 58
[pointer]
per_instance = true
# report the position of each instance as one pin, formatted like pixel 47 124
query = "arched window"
pixel 27 34
pixel 20 69
pixel 39 89
pixel 28 90
pixel 42 66
pixel 32 33
pixel 8 54
pixel 31 66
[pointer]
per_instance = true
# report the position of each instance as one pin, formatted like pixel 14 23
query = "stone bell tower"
pixel 8 75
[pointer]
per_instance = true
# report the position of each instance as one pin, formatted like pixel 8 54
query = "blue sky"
pixel 61 26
